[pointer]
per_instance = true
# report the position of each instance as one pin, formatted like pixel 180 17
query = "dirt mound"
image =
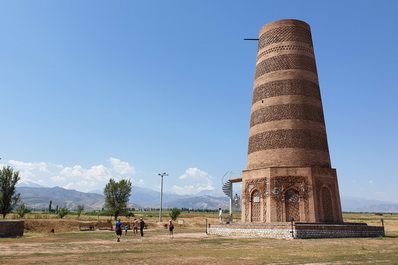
pixel 48 225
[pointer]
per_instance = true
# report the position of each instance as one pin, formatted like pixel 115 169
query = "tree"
pixel 8 196
pixel 21 210
pixel 117 195
pixel 175 213
pixel 80 209
pixel 63 211
pixel 49 206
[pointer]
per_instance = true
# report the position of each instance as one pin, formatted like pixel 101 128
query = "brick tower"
pixel 288 167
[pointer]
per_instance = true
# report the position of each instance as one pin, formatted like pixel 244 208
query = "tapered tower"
pixel 289 173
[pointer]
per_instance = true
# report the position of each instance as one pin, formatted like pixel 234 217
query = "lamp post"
pixel 382 223
pixel 161 193
pixel 291 221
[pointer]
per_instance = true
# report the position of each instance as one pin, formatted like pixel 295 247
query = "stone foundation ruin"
pixel 11 228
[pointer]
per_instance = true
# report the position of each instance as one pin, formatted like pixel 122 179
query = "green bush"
pixel 21 210
pixel 174 213
pixel 62 212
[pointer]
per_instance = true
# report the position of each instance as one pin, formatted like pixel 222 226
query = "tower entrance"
pixel 255 207
pixel 292 206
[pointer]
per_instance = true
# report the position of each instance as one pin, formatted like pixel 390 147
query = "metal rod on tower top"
pixel 250 39
pixel 161 193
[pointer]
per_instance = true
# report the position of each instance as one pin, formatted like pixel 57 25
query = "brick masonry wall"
pixel 286 94
pixel 338 231
pixel 300 231
pixel 287 130
pixel 11 228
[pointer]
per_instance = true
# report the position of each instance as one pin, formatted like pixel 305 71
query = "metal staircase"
pixel 227 188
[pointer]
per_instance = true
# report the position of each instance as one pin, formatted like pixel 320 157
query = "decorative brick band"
pixel 287 158
pixel 288 139
pixel 285 62
pixel 287 124
pixel 287 112
pixel 286 48
pixel 286 74
pixel 287 33
pixel 286 87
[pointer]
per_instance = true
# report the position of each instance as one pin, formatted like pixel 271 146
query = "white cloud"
pixel 68 186
pixel 141 182
pixel 27 169
pixel 57 178
pixel 23 166
pixel 74 177
pixel 75 171
pixel 198 181
pixel 121 167
pixel 194 173
pixel 99 172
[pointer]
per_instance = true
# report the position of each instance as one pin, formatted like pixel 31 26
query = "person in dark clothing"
pixel 142 225
pixel 171 228
pixel 118 230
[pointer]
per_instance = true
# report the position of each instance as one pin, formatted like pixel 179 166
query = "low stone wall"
pixel 337 230
pixel 11 228
pixel 280 231
pixel 300 230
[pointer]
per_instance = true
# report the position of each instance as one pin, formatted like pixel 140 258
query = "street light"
pixel 161 193
pixel 291 221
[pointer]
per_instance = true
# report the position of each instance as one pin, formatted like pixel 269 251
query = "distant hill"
pixel 29 184
pixel 40 197
pixel 379 208
pixel 147 197
pixel 353 204
pixel 200 202
pixel 150 198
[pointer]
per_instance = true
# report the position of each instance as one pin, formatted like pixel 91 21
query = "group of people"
pixel 136 225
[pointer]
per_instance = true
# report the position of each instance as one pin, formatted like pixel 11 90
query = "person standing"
pixel 220 215
pixel 126 228
pixel 135 226
pixel 118 230
pixel 142 225
pixel 171 228
pixel 237 199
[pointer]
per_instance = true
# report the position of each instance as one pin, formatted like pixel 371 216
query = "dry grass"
pixel 191 245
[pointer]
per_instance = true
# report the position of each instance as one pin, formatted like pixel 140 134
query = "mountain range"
pixel 38 197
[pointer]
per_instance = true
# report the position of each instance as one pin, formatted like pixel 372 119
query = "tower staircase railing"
pixel 227 187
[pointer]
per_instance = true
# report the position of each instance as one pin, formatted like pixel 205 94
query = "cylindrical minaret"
pixel 288 176
pixel 287 127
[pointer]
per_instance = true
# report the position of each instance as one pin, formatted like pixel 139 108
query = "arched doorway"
pixel 327 206
pixel 292 205
pixel 255 207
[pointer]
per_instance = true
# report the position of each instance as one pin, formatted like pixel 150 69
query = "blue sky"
pixel 129 89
